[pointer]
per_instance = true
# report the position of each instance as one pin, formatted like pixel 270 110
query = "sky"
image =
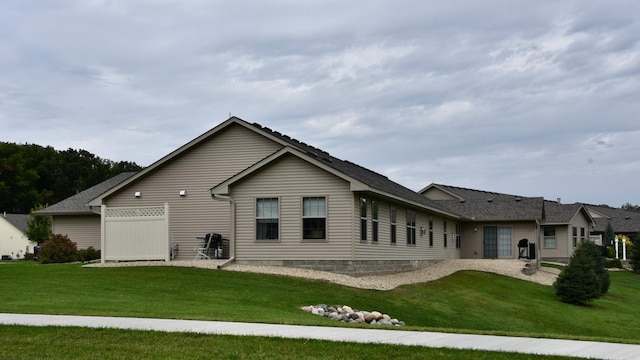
pixel 533 98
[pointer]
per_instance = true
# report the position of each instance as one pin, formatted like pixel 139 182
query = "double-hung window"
pixel 549 237
pixel 444 233
pixel 430 231
pixel 411 227
pixel 574 236
pixel 374 221
pixel 363 219
pixel 267 219
pixel 458 231
pixel 583 237
pixel 392 217
pixel 314 218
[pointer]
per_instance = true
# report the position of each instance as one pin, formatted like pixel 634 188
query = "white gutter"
pixel 232 235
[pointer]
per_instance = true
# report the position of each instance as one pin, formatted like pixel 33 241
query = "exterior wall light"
pixel 137 194
pixel 183 192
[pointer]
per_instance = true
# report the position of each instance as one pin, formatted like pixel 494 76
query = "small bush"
pixel 58 249
pixel 614 263
pixel 88 254
pixel 28 256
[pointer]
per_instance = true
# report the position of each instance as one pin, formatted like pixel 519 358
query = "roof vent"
pixel 627 217
pixel 518 198
pixel 462 201
pixel 490 200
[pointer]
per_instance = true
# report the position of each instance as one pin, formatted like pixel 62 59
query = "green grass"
pixel 467 301
pixel 21 342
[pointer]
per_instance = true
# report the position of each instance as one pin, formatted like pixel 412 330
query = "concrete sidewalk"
pixel 584 349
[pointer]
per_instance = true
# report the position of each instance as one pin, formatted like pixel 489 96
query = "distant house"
pixel 279 201
pixel 14 243
pixel 493 224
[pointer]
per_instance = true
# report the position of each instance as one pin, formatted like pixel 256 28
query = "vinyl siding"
pixel 437 194
pixel 214 160
pixel 384 250
pixel 84 230
pixel 473 233
pixel 290 179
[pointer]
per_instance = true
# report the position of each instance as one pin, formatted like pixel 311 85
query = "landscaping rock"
pixel 345 313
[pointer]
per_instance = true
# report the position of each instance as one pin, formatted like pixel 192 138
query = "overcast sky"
pixel 534 98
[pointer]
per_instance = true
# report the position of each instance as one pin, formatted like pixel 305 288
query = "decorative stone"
pixel 347 314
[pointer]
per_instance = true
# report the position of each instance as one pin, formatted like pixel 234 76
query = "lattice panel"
pixel 135 212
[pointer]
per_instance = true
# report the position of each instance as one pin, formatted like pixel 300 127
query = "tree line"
pixel 31 174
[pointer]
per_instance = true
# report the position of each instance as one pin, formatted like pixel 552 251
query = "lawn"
pixel 467 301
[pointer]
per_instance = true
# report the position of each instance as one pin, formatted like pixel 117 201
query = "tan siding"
pixel 84 230
pixel 473 242
pixel 213 161
pixel 384 250
pixel 562 244
pixel 290 179
pixel 437 194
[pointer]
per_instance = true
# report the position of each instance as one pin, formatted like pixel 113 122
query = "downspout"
pixel 232 235
pixel 539 248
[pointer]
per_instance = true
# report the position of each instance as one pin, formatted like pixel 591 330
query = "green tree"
pixel 579 283
pixel 630 207
pixel 595 252
pixel 634 256
pixel 609 235
pixel 38 226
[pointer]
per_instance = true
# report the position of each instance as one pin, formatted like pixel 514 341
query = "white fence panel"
pixel 140 233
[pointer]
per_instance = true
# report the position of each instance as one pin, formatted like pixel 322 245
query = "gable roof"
pixel 479 205
pixel 19 221
pixel 560 214
pixel 78 204
pixel 621 220
pixel 359 178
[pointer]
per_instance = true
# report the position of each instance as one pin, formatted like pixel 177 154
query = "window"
pixel 582 235
pixel 549 237
pixel 504 242
pixel 363 220
pixel 392 217
pixel 411 227
pixel 458 240
pixel 267 219
pixel 444 232
pixel 430 231
pixel 314 218
pixel 374 221
pixel 574 236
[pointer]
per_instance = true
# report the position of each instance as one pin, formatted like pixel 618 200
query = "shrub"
pixel 88 254
pixel 614 263
pixel 579 283
pixel 58 249
pixel 28 256
pixel 600 262
pixel 634 256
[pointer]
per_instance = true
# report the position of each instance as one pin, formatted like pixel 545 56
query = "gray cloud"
pixel 526 98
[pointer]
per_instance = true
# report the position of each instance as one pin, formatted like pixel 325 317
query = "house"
pixel 277 200
pixel 623 222
pixel 493 224
pixel 75 218
pixel 14 243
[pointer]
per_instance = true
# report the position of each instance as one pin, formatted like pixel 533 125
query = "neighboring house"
pixel 493 224
pixel 75 218
pixel 283 202
pixel 622 221
pixel 14 243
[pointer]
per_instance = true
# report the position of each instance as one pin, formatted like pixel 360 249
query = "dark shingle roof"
pixel 621 220
pixel 500 209
pixel 17 220
pixel 371 178
pixel 556 213
pixel 78 203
